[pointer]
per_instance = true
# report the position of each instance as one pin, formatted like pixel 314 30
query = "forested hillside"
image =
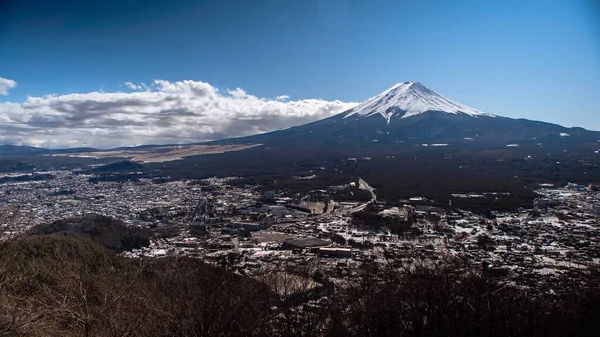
pixel 65 284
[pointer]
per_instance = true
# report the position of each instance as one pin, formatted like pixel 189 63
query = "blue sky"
pixel 537 59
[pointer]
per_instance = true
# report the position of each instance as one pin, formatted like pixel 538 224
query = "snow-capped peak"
pixel 408 99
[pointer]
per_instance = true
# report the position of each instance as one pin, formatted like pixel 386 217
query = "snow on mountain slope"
pixel 408 99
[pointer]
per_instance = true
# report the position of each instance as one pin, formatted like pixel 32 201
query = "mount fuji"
pixel 410 113
pixel 409 99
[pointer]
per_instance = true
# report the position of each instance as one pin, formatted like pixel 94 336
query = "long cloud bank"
pixel 160 113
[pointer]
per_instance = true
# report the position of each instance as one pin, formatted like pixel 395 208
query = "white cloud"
pixel 163 112
pixel 133 86
pixel 5 85
pixel 282 98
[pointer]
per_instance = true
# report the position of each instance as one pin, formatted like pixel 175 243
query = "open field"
pixel 160 153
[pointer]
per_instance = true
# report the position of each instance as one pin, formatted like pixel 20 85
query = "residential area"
pixel 254 232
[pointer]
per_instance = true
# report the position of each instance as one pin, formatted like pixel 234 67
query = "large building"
pixel 335 251
pixel 303 243
pixel 251 226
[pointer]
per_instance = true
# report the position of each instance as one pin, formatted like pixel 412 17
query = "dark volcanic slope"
pixel 431 127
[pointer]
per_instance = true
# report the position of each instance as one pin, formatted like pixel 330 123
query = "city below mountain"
pixel 406 141
pixel 235 168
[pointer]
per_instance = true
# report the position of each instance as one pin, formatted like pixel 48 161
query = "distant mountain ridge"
pixel 20 150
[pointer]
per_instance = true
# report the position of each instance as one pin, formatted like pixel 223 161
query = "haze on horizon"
pixel 123 73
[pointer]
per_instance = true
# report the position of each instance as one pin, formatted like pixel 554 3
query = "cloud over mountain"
pixel 159 113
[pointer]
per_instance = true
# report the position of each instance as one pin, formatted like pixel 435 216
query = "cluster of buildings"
pixel 255 233
pixel 142 203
